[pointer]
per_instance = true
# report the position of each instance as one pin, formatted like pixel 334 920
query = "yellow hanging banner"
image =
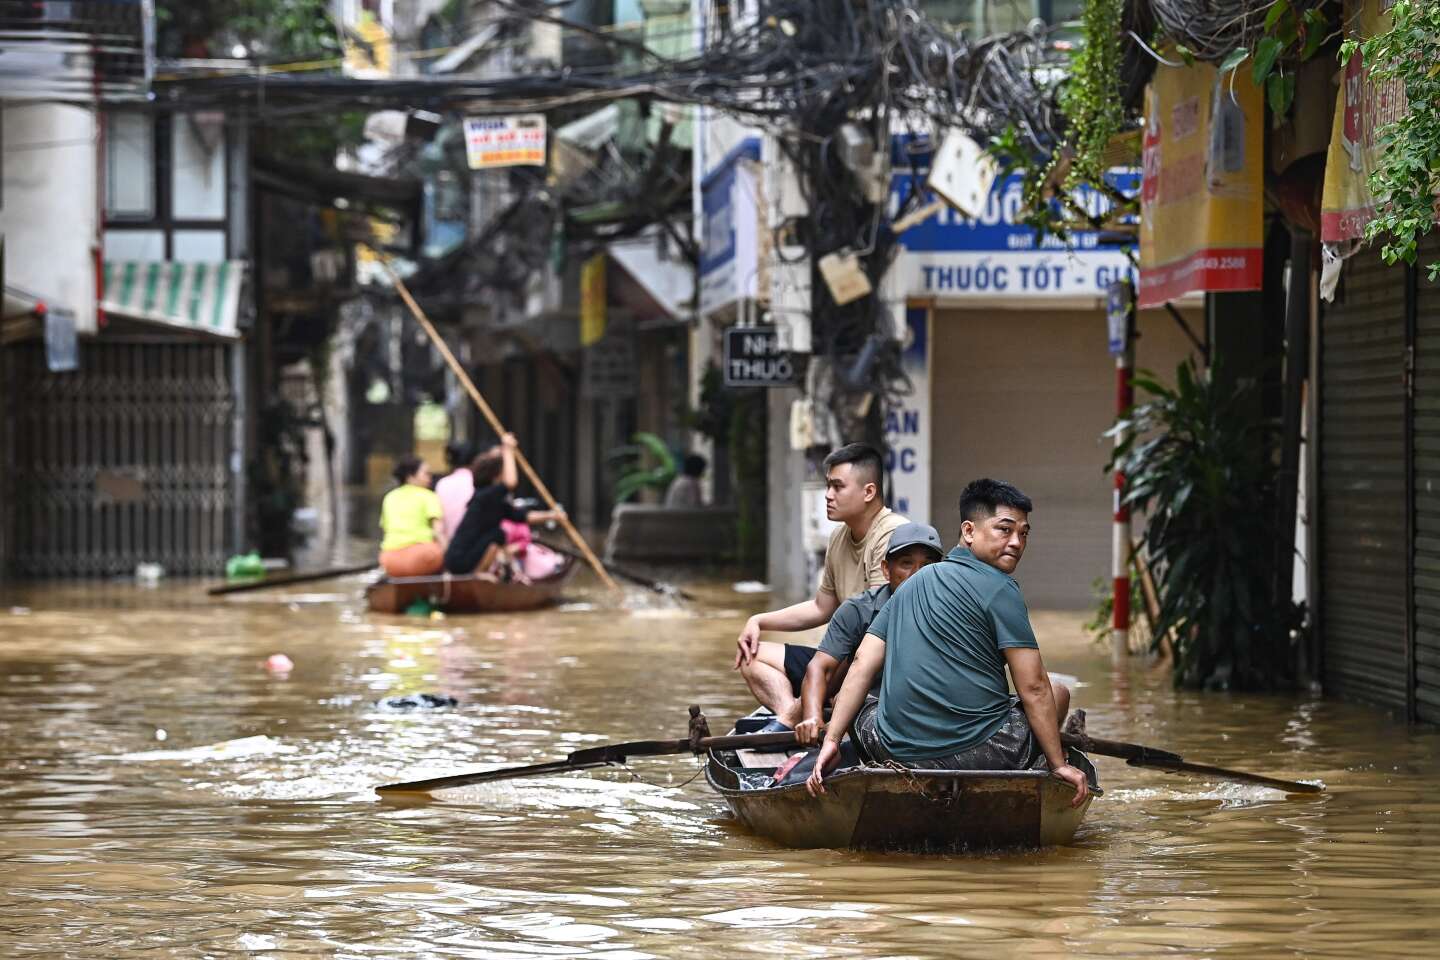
pixel 1202 198
pixel 592 300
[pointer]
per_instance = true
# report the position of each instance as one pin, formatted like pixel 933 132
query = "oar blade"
pixel 1241 776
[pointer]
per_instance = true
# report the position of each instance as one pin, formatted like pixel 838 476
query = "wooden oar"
pixel 1141 756
pixel 700 741
pixel 605 756
pixel 494 421
pixel 281 581
pixel 656 585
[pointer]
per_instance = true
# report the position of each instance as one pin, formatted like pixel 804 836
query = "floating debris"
pixel 418 701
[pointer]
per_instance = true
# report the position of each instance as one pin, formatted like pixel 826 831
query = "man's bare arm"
pixel 812 696
pixel 1032 684
pixel 864 668
pixel 797 616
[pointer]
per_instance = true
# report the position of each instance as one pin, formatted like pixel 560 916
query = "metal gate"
pixel 125 462
pixel 1365 533
pixel 1426 664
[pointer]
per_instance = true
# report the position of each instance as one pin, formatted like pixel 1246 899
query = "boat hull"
pixel 886 809
pixel 466 594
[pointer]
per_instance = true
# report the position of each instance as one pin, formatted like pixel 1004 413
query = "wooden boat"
pixel 870 807
pixel 469 594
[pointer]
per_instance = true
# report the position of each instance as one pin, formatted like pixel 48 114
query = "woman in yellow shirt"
pixel 414 544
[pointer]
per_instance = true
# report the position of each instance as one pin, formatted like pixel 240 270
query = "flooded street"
pixel 122 836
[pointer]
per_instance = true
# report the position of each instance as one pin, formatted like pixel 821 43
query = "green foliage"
pixel 736 420
pixel 1407 173
pixel 1091 98
pixel 716 411
pixel 747 439
pixel 1036 210
pixel 273 30
pixel 1092 101
pixel 313 144
pixel 1103 619
pixel 640 477
pixel 1293 32
pixel 1199 466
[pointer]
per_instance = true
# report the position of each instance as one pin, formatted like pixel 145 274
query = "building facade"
pixel 125 268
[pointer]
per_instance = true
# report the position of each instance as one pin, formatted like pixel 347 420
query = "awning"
pixel 202 297
pixel 651 287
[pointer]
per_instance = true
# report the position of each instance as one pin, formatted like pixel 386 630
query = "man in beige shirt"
pixel 775 671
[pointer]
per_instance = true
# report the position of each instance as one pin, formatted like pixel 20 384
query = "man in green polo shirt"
pixel 944 641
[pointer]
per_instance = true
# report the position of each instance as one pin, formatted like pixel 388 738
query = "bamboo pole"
pixel 1152 599
pixel 494 421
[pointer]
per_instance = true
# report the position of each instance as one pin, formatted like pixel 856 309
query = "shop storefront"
pixel 1013 380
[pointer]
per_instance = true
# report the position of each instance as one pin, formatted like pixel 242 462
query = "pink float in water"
pixel 279 663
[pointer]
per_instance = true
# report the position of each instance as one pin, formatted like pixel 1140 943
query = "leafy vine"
pixel 1406 178
pixel 1091 99
pixel 1293 30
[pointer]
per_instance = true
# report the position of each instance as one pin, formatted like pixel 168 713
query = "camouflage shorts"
pixel 1012 747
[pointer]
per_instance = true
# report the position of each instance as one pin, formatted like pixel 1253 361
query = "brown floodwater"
pixel 133 823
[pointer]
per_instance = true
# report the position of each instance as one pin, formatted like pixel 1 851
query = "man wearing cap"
pixel 815 673
pixel 912 546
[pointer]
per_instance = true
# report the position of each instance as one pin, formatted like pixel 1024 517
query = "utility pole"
pixel 1120 319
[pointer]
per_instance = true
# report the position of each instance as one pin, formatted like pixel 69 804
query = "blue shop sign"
pixel 729 253
pixel 951 256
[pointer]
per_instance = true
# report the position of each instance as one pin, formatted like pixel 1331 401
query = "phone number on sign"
pixel 1215 263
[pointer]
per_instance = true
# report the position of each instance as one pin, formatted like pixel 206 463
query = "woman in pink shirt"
pixel 456 487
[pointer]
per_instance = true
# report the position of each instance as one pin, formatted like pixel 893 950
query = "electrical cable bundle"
pixel 808 70
pixel 1213 29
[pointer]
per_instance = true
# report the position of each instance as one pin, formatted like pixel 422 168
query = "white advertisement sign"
pixel 505 141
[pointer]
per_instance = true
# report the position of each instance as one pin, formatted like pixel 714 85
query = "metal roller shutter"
pixel 1427 493
pixel 1364 533
pixel 125 462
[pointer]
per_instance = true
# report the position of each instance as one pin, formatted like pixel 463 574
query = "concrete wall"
pixel 49 212
pixel 787 566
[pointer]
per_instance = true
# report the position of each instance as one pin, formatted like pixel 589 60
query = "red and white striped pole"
pixel 1120 316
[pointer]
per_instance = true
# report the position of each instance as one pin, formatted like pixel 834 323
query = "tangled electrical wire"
pixel 1212 29
pixel 808 70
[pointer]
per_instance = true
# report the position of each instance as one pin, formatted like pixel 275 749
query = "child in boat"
pixel 410 516
pixel 533 561
pixel 479 544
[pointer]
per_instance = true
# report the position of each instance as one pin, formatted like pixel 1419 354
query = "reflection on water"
pixel 126 831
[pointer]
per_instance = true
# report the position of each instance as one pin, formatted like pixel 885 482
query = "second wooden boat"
pixel 469 594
